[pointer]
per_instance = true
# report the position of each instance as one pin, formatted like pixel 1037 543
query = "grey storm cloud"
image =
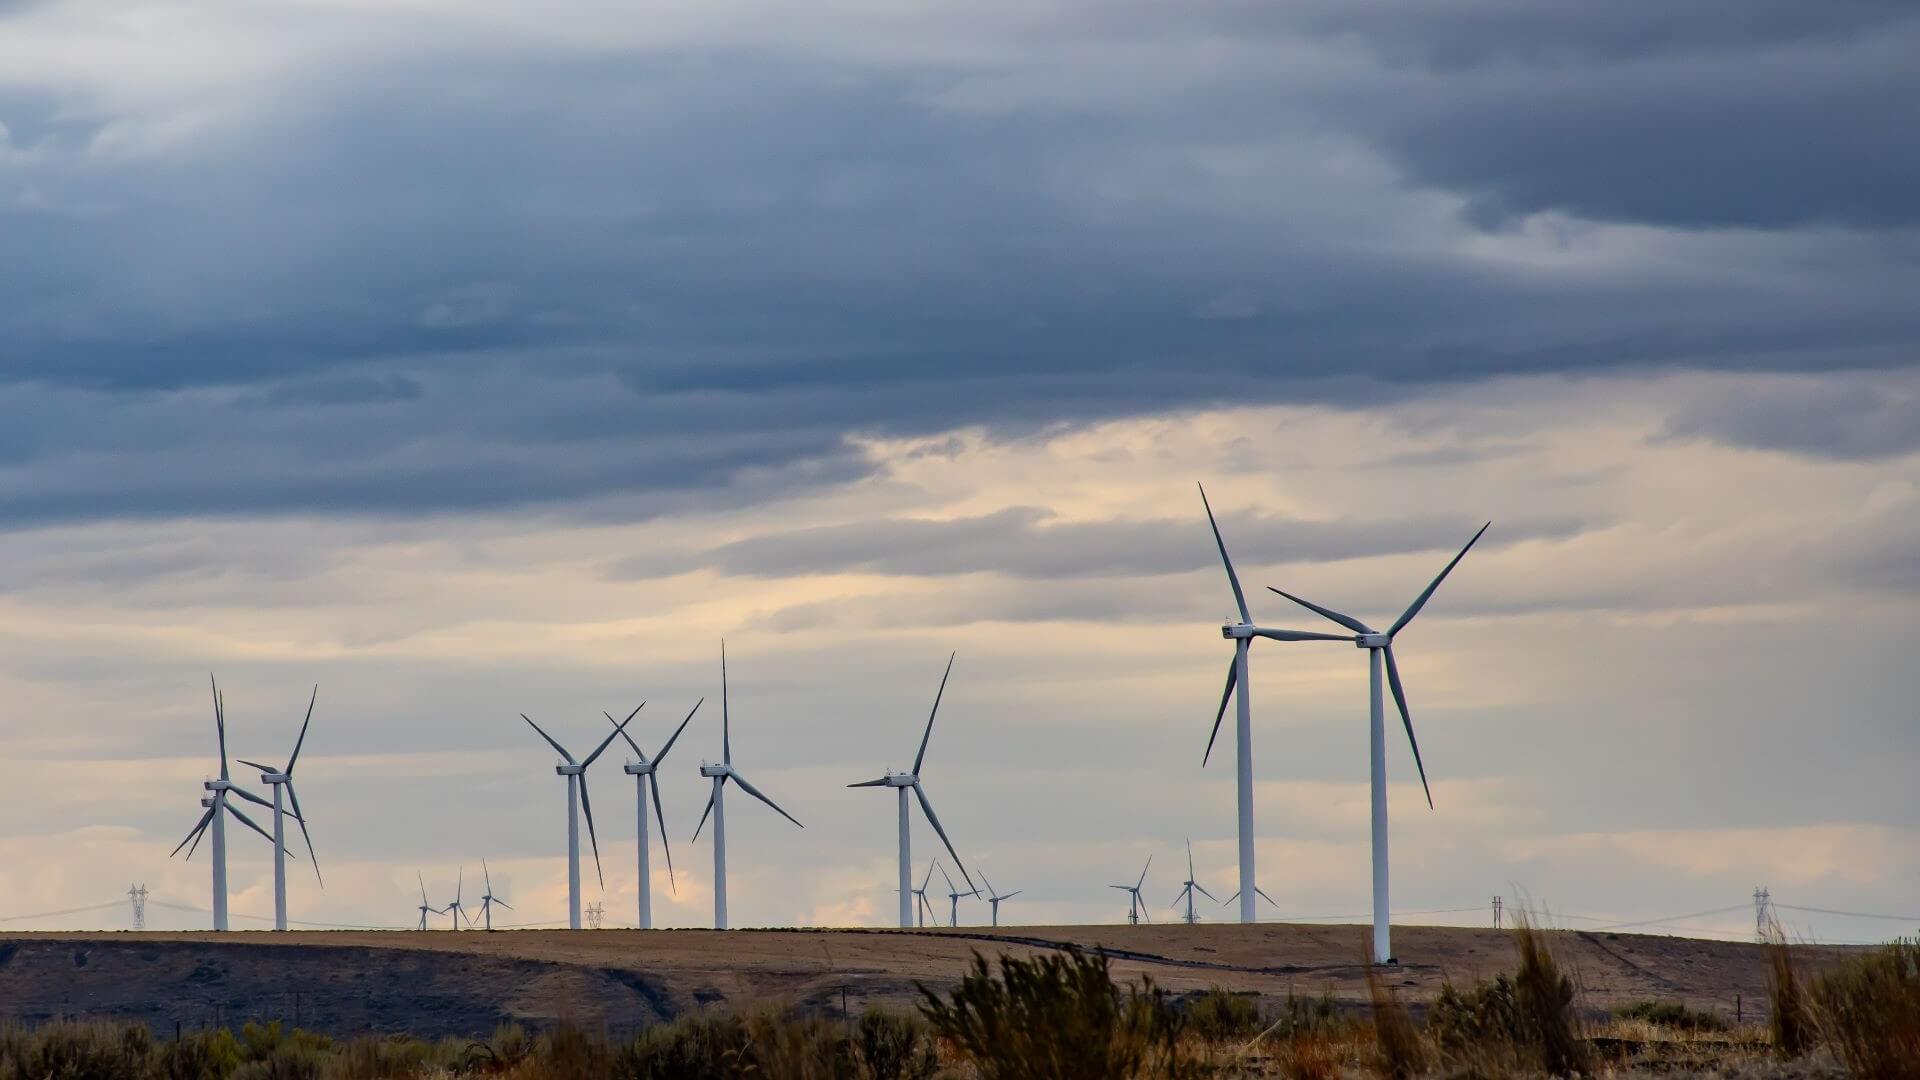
pixel 476 276
pixel 1831 419
pixel 1022 543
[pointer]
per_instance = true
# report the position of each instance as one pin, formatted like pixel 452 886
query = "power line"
pixel 63 911
pixel 1851 914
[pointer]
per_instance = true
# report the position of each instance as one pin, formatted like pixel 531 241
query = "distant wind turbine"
pixel 642 771
pixel 426 909
pixel 910 781
pixel 716 803
pixel 576 773
pixel 1190 887
pixel 994 897
pixel 215 821
pixel 1242 634
pixel 1136 905
pixel 456 908
pixel 487 899
pixel 1379 646
pixel 953 898
pixel 283 778
pixel 921 904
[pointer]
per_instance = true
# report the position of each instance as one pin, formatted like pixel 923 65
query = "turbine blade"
pixel 662 755
pixel 623 733
pixel 307 836
pixel 703 818
pixel 251 797
pixel 1204 892
pixel 220 724
pixel 1347 621
pixel 1406 718
pixel 1013 894
pixel 618 729
pixel 922 755
pixel 726 722
pixel 755 792
pixel 459 887
pixel 1421 601
pixel 948 877
pixel 192 834
pixel 870 783
pixel 1298 635
pixel 561 749
pixel 1233 676
pixel 488 875
pixel 587 805
pixel 302 740
pixel 1189 861
pixel 929 878
pixel 423 888
pixel 660 816
pixel 503 904
pixel 254 765
pixel 1262 894
pixel 1143 872
pixel 249 822
pixel 1239 597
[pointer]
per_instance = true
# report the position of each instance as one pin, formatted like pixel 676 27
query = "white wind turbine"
pixel 283 778
pixel 921 904
pixel 426 909
pixel 455 907
pixel 577 800
pixel 1136 905
pixel 994 897
pixel 910 781
pixel 642 771
pixel 1242 634
pixel 953 898
pixel 487 899
pixel 1190 887
pixel 215 821
pixel 1379 647
pixel 716 803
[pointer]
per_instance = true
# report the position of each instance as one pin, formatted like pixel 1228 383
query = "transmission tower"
pixel 1764 927
pixel 138 894
pixel 1496 913
pixel 596 911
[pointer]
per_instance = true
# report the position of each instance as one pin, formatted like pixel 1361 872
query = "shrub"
pixel 1672 1014
pixel 712 1046
pixel 1056 1017
pixel 893 1046
pixel 1543 997
pixel 1789 1024
pixel 1402 1054
pixel 1218 1015
pixel 1869 1012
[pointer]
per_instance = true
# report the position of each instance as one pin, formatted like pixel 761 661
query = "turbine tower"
pixel 283 778
pixel 214 820
pixel 487 899
pixel 716 804
pixel 910 781
pixel 1190 887
pixel 576 773
pixel 426 909
pixel 1242 634
pixel 1136 906
pixel 1379 648
pixel 953 898
pixel 642 771
pixel 994 897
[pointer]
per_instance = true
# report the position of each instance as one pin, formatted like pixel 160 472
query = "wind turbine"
pixel 642 771
pixel 716 803
pixel 1379 647
pixel 283 778
pixel 910 781
pixel 1190 887
pixel 1136 906
pixel 576 774
pixel 953 898
pixel 1242 634
pixel 994 897
pixel 426 909
pixel 921 904
pixel 213 819
pixel 456 908
pixel 487 899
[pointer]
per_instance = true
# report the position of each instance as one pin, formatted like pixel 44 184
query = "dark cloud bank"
pixel 444 285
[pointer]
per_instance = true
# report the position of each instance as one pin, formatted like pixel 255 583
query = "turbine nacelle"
pixel 1236 631
pixel 275 778
pixel 1372 641
pixel 639 768
pixel 715 770
pixel 569 770
pixel 901 779
pixel 217 785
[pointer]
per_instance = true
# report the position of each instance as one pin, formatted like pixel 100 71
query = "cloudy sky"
pixel 475 358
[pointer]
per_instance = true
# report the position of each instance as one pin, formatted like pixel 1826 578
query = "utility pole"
pixel 1496 913
pixel 138 894
pixel 1764 928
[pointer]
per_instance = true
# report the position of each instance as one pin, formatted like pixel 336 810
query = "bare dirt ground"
pixel 462 984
